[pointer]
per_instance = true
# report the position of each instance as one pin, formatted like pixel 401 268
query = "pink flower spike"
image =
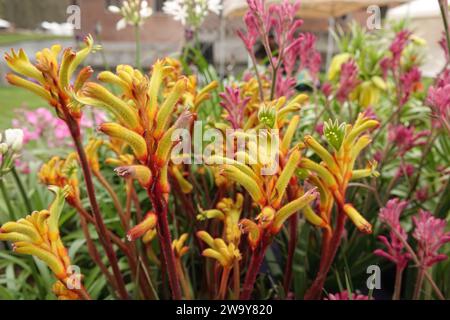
pixel 431 236
pixel 395 252
pixel 345 296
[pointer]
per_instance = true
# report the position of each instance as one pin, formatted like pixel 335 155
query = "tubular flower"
pixel 267 189
pixel 229 211
pixel 335 171
pixel 38 235
pixel 61 173
pixel 145 109
pixel 178 246
pixel 50 78
pixel 431 236
pixel 225 254
pixel 92 153
pixel 395 248
pixel 146 225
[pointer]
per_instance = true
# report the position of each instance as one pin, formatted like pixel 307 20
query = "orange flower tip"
pixel 366 228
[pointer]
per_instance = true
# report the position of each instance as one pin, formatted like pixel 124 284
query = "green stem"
pixel 12 216
pixel 137 33
pixel 22 190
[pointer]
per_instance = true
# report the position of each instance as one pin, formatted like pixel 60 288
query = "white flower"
pixel 177 9
pixel 114 9
pixel 215 6
pixel 133 12
pixel 3 148
pixel 14 139
pixel 121 24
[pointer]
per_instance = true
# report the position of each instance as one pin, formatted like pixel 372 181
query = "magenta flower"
pixel 410 82
pixel 439 99
pixel 345 296
pixel 348 80
pixel 405 169
pixel 431 236
pixel 443 44
pixel 394 252
pixel 405 138
pixel 234 104
pixel 398 45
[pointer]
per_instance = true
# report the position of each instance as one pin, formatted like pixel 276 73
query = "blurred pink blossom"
pixel 405 138
pixel 345 296
pixel 439 99
pixel 394 251
pixel 410 82
pixel 234 104
pixel 431 236
pixel 348 80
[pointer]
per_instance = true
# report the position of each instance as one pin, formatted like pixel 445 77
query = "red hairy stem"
pixel 315 291
pixel 293 225
pixel 165 239
pixel 99 223
pixel 253 269
pixel 94 254
pixel 398 283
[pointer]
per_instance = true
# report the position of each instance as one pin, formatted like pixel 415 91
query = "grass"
pixel 11 38
pixel 12 99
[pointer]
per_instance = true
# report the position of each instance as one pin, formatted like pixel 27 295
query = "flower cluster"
pixel 133 12
pixel 191 13
pixel 38 235
pixel 395 247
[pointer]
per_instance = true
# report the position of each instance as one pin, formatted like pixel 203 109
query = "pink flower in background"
pixel 439 99
pixel 396 48
pixel 422 194
pixel 431 236
pixel 327 89
pixel 405 138
pixel 345 296
pixel 42 124
pixel 319 128
pixel 251 36
pixel 406 169
pixel 348 80
pixel 398 45
pixel 394 251
pixel 234 104
pixel 410 82
pixel 443 44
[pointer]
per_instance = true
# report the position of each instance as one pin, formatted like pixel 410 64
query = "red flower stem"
pixel 165 239
pixel 419 282
pixel 223 283
pixel 315 291
pixel 293 225
pixel 99 223
pixel 398 283
pixel 253 269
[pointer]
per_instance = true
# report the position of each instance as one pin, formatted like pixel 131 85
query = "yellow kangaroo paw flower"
pixel 357 219
pixel 118 107
pixel 51 260
pixel 81 55
pixel 109 77
pixel 321 171
pixel 253 231
pixel 210 214
pixel 313 218
pixel 285 177
pixel 289 134
pixel 246 181
pixel 289 209
pixel 139 172
pixel 136 142
pixel 186 186
pixel 21 64
pixel 145 225
pixel 206 237
pixel 166 109
pixel 31 86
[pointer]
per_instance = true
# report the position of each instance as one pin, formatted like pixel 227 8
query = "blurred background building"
pixel 162 36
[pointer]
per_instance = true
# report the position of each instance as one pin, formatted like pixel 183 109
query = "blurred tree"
pixel 28 14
